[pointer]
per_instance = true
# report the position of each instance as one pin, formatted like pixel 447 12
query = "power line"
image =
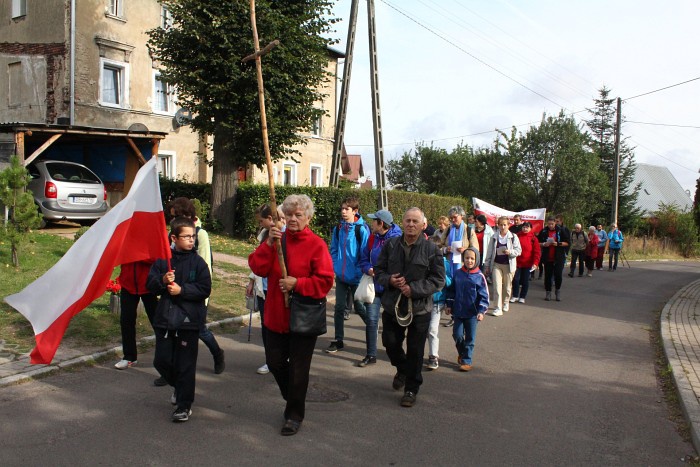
pixel 637 143
pixel 661 89
pixel 662 124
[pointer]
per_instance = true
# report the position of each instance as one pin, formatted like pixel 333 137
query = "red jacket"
pixel 133 277
pixel 308 260
pixel 531 252
pixel 592 247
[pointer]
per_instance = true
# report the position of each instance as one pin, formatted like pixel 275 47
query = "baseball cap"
pixel 383 215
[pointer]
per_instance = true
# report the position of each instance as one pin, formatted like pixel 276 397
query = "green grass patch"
pixel 232 246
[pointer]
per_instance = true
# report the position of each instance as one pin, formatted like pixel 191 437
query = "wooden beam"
pixel 154 148
pixel 136 151
pixel 42 148
pixel 19 144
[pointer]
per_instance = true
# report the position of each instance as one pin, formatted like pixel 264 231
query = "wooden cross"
pixel 263 122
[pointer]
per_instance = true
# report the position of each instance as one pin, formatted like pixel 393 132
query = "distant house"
pixel 353 170
pixel 659 186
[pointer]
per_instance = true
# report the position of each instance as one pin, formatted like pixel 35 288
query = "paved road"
pixel 566 383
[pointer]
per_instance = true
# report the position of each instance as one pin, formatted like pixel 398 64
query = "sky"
pixel 452 71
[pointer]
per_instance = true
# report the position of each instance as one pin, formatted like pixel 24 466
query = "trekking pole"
pixel 624 259
pixel 250 315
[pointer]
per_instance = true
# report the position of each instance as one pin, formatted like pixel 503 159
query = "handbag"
pixel 307 315
pixel 365 289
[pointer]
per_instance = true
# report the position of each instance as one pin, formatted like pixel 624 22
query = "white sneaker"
pixel 497 312
pixel 124 364
pixel 521 300
pixel 173 399
pixel 506 307
pixel 514 299
pixel 263 370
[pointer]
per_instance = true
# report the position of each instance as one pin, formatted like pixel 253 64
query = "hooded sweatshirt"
pixel 346 251
pixel 369 258
pixel 469 295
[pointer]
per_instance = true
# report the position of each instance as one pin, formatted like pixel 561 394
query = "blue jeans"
pixel 614 255
pixel 370 315
pixel 521 282
pixel 342 290
pixel 464 334
pixel 206 336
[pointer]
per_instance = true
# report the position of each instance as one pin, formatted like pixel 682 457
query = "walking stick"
pixel 624 259
pixel 263 123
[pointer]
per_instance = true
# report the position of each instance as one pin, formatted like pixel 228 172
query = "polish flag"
pixel 492 213
pixel 133 230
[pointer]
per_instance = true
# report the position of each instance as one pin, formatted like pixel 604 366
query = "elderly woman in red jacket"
pixel 591 250
pixel 309 273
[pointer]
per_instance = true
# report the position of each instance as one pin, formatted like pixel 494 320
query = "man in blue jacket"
pixel 615 239
pixel 348 240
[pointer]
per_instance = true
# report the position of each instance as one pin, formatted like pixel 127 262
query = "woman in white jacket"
pixel 504 248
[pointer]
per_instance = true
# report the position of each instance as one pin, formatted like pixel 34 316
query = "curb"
pixel 689 401
pixel 32 374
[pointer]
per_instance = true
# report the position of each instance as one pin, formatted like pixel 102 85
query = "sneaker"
pixel 497 312
pixel 181 415
pixel 263 370
pixel 346 315
pixel 521 300
pixel 514 299
pixel 450 323
pixel 173 399
pixel 433 363
pixel 335 346
pixel 219 363
pixel 399 381
pixel 589 275
pixel 408 399
pixel 290 428
pixel 124 364
pixel 465 367
pixel 367 361
pixel 571 274
pixel 506 306
pixel 160 382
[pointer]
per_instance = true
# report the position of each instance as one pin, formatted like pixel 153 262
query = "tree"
pixel 201 55
pixel 404 172
pixel 23 213
pixel 602 127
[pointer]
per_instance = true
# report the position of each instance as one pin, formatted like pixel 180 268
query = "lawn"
pixel 96 327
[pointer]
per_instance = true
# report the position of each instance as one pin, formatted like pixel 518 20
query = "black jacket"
pixel 188 309
pixel 560 252
pixel 424 270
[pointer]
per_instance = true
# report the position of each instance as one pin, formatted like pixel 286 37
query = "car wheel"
pixel 87 222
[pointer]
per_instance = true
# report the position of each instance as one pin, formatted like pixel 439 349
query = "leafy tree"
pixel 201 55
pixel 696 203
pixel 602 127
pixel 23 213
pixel 404 172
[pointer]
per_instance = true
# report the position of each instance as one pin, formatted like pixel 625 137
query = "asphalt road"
pixel 555 383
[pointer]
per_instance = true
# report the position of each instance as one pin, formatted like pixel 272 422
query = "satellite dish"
pixel 182 117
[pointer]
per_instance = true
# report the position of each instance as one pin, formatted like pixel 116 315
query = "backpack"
pixel 196 247
pixel 358 233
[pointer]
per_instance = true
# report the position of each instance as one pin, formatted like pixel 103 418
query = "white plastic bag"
pixel 365 289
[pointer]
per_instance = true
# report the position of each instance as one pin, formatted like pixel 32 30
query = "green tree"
pixel 602 127
pixel 201 55
pixel 404 172
pixel 696 204
pixel 23 214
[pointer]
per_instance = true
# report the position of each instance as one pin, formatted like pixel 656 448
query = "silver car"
pixel 67 191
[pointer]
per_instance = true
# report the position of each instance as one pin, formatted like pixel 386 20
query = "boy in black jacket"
pixel 181 310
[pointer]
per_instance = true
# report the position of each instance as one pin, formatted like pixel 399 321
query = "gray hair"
pixel 591 228
pixel 459 210
pixel 415 208
pixel 293 202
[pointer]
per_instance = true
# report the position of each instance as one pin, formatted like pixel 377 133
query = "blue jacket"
pixel 369 258
pixel 346 252
pixel 441 295
pixel 469 295
pixel 616 239
pixel 602 237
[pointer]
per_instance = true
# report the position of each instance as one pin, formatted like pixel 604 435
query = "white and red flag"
pixel 133 230
pixel 492 213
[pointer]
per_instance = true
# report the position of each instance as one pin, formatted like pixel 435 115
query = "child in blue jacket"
pixel 469 302
pixel 439 304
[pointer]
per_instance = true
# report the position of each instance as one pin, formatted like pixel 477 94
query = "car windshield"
pixel 71 173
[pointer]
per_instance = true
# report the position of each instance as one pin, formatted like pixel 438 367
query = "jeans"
pixel 288 356
pixel 552 272
pixel 614 252
pixel 502 280
pixel 370 316
pixel 209 340
pixel 342 290
pixel 433 339
pixel 521 282
pixel 176 359
pixel 127 319
pixel 410 362
pixel 464 334
pixel 261 308
pixel 577 255
pixel 599 258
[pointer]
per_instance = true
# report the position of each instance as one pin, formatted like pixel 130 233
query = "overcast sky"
pixel 509 61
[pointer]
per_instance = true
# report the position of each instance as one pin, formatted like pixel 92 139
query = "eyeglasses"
pixel 187 237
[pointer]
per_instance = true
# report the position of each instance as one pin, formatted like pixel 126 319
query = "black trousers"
pixel 409 362
pixel 176 360
pixel 288 356
pixel 127 319
pixel 577 255
pixel 552 270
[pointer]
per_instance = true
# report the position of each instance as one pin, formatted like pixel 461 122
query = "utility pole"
pixel 616 168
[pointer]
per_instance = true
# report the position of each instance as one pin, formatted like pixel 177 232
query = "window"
pixel 166 18
pixel 15 91
pixel 115 8
pixel 163 96
pixel 114 83
pixel 289 174
pixel 19 8
pixel 315 179
pixel 316 126
pixel 166 164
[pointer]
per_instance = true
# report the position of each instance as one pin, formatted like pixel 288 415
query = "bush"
pixel 679 226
